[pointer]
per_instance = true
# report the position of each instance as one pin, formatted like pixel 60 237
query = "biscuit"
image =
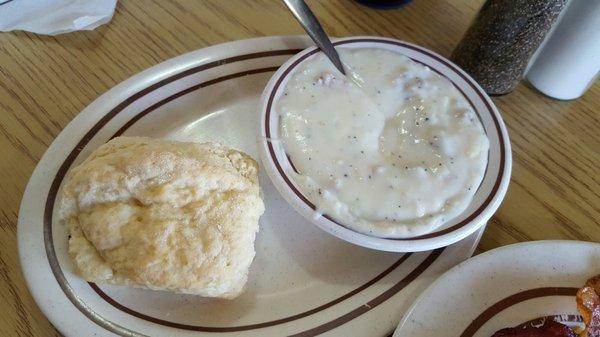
pixel 164 215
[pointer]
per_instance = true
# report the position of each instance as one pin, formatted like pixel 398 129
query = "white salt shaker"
pixel 568 61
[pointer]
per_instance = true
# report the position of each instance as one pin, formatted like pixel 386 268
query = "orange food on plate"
pixel 588 303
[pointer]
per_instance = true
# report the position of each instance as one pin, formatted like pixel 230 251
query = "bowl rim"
pixel 438 237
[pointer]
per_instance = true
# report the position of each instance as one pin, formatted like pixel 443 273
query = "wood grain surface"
pixel 45 81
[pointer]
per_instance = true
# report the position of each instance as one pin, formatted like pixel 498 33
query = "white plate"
pixel 505 287
pixel 486 200
pixel 302 281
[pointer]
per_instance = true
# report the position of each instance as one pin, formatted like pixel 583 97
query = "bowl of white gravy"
pixel 403 153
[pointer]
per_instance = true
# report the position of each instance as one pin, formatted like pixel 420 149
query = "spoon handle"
pixel 312 26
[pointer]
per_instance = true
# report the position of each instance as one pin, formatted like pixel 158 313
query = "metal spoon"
pixel 312 26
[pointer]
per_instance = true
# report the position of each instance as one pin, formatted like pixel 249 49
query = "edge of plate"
pixel 440 279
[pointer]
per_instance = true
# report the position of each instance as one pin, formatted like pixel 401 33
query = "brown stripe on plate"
pixel 373 303
pixel 451 66
pixel 51 199
pixel 186 91
pixel 376 301
pixel 519 297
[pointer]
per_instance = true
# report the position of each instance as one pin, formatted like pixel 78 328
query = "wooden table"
pixel 45 81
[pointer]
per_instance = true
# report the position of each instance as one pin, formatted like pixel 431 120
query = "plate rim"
pixel 475 259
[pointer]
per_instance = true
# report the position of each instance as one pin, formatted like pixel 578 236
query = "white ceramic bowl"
pixel 486 200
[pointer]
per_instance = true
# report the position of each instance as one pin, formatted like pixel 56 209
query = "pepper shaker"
pixel 504 36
